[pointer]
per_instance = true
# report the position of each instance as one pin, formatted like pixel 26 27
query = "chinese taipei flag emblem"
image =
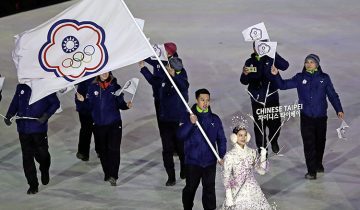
pixel 74 49
pixel 87 39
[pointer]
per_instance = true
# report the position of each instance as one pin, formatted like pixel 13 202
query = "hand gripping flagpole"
pixel 173 83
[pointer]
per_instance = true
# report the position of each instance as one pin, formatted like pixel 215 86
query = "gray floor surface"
pixel 209 39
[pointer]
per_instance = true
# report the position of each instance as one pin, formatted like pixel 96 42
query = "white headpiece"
pixel 239 123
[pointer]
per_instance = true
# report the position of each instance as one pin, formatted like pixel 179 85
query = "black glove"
pixel 43 118
pixel 7 120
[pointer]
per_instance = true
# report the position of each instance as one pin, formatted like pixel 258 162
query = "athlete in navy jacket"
pixel 313 86
pixel 259 82
pixel 33 132
pixel 200 162
pixel 105 110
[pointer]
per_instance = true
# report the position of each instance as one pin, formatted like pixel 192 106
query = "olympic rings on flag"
pixel 67 62
pixel 77 64
pixel 79 57
pixel 89 50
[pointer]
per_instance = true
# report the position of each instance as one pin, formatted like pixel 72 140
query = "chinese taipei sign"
pixel 89 38
pixel 74 49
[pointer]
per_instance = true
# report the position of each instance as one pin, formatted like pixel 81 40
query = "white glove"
pixel 229 199
pixel 263 162
pixel 263 153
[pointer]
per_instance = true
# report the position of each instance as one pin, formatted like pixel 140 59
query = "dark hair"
pixel 201 91
pixel 239 128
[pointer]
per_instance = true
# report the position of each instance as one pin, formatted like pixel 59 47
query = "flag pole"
pixel 173 83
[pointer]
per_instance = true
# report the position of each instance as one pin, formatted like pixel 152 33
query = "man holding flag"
pixel 200 161
pixel 256 75
pixel 33 132
pixel 76 45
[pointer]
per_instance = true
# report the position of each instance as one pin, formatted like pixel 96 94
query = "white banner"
pixel 87 39
pixel 266 48
pixel 160 51
pixel 255 32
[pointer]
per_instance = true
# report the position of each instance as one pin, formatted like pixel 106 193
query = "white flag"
pixel 2 79
pixel 87 39
pixel 160 51
pixel 255 32
pixel 266 48
pixel 341 131
pixel 130 87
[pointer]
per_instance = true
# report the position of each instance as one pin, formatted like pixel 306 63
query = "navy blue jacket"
pixel 312 91
pixel 258 81
pixel 155 78
pixel 20 106
pixel 196 150
pixel 105 106
pixel 83 107
pixel 171 107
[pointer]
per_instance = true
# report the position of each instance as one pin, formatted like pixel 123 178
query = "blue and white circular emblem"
pixel 70 44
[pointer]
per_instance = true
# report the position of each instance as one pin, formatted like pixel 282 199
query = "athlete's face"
pixel 104 76
pixel 310 64
pixel 203 101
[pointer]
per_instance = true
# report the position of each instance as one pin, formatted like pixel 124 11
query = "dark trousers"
pixel 313 132
pixel 193 176
pixel 157 111
pixel 109 140
pixel 169 142
pixel 86 130
pixel 34 146
pixel 272 124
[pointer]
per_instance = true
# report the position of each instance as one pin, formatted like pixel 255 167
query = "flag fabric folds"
pixel 256 32
pixel 87 39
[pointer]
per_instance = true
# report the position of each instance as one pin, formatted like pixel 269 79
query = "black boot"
pixel 320 169
pixel 45 178
pixel 112 181
pixel 82 157
pixel 275 147
pixel 32 190
pixel 171 177
pixel 310 176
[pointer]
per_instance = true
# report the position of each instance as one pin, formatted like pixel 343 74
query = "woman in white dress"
pixel 242 190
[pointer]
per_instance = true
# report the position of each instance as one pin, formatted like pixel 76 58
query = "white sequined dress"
pixel 242 190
